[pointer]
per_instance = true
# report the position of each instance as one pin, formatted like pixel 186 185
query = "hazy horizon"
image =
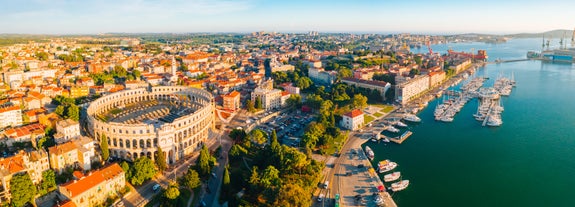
pixel 440 17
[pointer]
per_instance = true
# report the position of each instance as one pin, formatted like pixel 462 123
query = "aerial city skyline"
pixel 363 16
pixel 211 103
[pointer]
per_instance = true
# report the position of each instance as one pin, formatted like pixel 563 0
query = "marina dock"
pixel 402 138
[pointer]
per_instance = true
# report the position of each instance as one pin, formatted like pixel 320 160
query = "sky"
pixel 356 16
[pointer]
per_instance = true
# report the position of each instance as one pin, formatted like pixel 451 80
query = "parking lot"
pixel 289 126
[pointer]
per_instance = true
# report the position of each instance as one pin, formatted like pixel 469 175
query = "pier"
pixel 508 61
pixel 402 138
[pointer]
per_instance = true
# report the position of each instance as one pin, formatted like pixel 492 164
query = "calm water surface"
pixel 528 161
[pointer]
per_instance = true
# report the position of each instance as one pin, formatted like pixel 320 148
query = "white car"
pixel 320 197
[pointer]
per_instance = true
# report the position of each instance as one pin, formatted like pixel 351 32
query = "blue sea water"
pixel 528 161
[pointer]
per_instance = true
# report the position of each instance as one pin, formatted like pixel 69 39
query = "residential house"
pixel 94 188
pixel 353 120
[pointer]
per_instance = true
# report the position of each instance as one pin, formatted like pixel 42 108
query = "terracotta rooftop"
pixel 354 113
pixel 62 148
pixel 78 187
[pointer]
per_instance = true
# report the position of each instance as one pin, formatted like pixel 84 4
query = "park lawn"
pixel 367 119
pixel 377 114
pixel 338 143
pixel 387 109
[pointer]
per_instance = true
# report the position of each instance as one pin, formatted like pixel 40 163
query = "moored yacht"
pixel 411 118
pixel 399 186
pixel 392 176
pixel 369 153
pixel 386 166
pixel 392 129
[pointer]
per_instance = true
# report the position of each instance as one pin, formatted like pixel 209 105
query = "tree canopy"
pixel 172 192
pixel 161 160
pixel 142 170
pixel 22 189
pixel 191 179
pixel 104 147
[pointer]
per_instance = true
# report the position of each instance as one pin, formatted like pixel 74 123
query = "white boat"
pixel 400 124
pixel 392 176
pixel 494 121
pixel 411 118
pixel 385 139
pixel 392 129
pixel 386 166
pixel 369 153
pixel 447 119
pixel 399 186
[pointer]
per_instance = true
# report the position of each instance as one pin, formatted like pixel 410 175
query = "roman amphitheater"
pixel 136 122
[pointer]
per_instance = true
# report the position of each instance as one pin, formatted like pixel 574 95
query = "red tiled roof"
pixel 80 186
pixel 61 149
pixel 354 113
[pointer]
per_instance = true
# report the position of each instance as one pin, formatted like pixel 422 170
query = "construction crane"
pixel 428 44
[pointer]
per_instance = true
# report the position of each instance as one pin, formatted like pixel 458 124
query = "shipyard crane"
pixel 428 44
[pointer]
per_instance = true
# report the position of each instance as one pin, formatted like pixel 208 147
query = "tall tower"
pixel 174 77
pixel 174 68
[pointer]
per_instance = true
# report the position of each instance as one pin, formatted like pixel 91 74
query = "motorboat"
pixel 400 124
pixel 369 153
pixel 411 118
pixel 392 129
pixel 392 177
pixel 386 166
pixel 399 186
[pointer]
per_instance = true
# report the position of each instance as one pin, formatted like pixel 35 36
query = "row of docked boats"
pixel 387 166
pixel 504 85
pixel 446 111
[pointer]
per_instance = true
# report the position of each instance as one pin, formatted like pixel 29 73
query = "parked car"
pixel 156 187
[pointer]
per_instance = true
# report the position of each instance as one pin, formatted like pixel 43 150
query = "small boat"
pixel 385 139
pixel 392 129
pixel 399 186
pixel 369 153
pixel 392 176
pixel 400 124
pixel 386 166
pixel 411 118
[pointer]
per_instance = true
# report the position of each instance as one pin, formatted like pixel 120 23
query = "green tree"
pixel 259 104
pixel 205 162
pixel 161 160
pixel 136 73
pixel 294 100
pixel 359 101
pixel 270 177
pixel 142 170
pixel 226 179
pixel 60 110
pixel 258 136
pixel 172 192
pixel 191 179
pixel 238 135
pixel 126 167
pixel 254 180
pixel 292 195
pixel 304 83
pixel 237 150
pixel 48 180
pixel 250 106
pixel 418 59
pixel 344 72
pixel 73 112
pixel 104 147
pixel 22 190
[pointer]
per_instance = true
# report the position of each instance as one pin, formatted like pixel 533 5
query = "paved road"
pixel 143 194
